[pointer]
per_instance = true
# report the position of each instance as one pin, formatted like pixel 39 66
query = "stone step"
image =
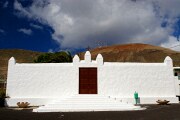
pixel 86 103
pixel 80 106
pixel 91 103
pixel 86 109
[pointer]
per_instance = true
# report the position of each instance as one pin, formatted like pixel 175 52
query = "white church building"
pixel 90 85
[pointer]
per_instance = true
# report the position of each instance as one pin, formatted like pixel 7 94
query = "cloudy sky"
pixel 53 25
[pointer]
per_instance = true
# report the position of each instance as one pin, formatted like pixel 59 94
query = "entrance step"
pixel 84 102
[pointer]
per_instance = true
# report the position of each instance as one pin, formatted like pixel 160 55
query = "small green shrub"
pixel 58 57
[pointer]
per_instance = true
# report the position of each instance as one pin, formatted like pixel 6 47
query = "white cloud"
pixel 5 5
pixel 25 31
pixel 83 23
pixel 36 26
pixel 168 7
pixel 23 11
pixel 172 43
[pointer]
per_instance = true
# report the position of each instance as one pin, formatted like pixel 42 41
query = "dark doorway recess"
pixel 87 80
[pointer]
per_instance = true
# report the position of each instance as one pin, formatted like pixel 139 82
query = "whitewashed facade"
pixel 42 83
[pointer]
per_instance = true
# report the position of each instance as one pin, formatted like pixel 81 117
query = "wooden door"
pixel 87 80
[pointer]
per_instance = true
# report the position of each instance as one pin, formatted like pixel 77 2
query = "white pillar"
pixel 11 66
pixel 99 59
pixel 11 62
pixel 168 61
pixel 76 59
pixel 87 57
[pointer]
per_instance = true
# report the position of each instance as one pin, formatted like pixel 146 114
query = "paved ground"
pixel 153 112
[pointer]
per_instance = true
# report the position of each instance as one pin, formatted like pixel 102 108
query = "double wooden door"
pixel 87 80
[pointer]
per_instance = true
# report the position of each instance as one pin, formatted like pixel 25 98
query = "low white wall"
pixel 42 83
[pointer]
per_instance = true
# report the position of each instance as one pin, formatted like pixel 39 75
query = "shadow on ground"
pixel 153 112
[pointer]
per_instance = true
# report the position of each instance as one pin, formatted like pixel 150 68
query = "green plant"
pixel 58 57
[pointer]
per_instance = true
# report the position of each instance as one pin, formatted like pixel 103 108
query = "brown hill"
pixel 21 56
pixel 135 53
pixel 117 53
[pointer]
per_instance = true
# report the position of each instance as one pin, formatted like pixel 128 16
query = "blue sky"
pixel 54 25
pixel 13 36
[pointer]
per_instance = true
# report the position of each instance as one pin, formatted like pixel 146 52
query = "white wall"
pixel 149 80
pixel 42 80
pixel 42 83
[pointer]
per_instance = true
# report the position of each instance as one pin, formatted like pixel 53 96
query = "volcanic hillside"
pixel 118 53
pixel 135 53
pixel 21 56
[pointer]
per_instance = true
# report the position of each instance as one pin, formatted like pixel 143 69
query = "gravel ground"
pixel 153 112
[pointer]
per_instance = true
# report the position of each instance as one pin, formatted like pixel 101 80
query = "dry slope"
pixel 117 53
pixel 135 53
pixel 21 56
